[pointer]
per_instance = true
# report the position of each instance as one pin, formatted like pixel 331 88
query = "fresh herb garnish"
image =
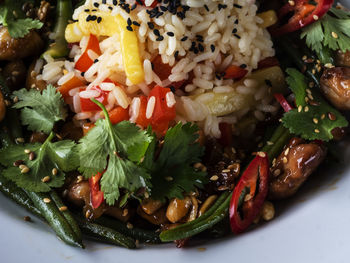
pixel 28 165
pixel 310 120
pixel 117 149
pixel 172 171
pixel 12 16
pixel 332 30
pixel 40 110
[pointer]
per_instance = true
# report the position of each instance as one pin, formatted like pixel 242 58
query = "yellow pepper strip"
pixel 130 52
pixel 108 25
pixel 269 17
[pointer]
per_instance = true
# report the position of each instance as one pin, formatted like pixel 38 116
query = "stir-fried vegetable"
pixel 250 193
pixel 304 13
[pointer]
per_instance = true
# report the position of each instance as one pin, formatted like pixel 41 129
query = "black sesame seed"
pixel 110 8
pixel 93 18
pixel 234 31
pixel 160 38
pixel 170 34
pixel 176 54
pixel 184 38
pixel 163 8
pixel 96 60
pixel 94 10
pixel 156 32
pixel 243 66
pixel 172 88
pixel 237 5
pixel 236 22
pixel 129 21
pixel 96 4
pixel 99 19
pixel 135 23
pixel 150 25
pixel 104 2
pixel 221 6
pixel 86 10
pixel 82 74
pixel 237 36
pixel 200 47
pixel 129 28
pixel 212 47
pixel 115 2
pixel 206 8
pixel 139 2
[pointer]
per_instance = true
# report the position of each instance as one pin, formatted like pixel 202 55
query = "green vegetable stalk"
pixel 59 47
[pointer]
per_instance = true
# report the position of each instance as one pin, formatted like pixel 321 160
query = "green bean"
pixel 12 191
pixel 105 234
pixel 63 13
pixel 197 226
pixel 142 235
pixel 66 213
pixel 55 219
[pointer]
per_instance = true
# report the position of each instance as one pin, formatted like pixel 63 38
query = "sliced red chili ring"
pixel 283 102
pixel 249 194
pixel 304 13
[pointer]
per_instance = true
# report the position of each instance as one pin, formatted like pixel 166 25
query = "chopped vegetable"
pixel 12 16
pixel 39 110
pixel 310 120
pixel 303 14
pixel 118 114
pixel 284 103
pixel 74 82
pixel 88 105
pixel 331 31
pixel 116 149
pixel 172 172
pixel 235 72
pixel 59 47
pixel 85 62
pixel 96 195
pixel 249 194
pixel 38 167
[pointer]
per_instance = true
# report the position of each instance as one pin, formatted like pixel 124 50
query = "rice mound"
pixel 199 39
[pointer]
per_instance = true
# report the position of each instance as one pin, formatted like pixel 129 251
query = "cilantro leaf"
pixel 322 32
pixel 47 156
pixel 116 149
pixel 172 172
pixel 311 122
pixel 21 27
pixel 40 111
pixel 14 19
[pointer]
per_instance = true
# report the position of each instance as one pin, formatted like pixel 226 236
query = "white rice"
pixel 215 48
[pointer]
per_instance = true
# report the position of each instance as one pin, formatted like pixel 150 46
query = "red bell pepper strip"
pixel 249 194
pixel 304 13
pixel 88 105
pixel 235 72
pixel 85 62
pixel 284 103
pixel 74 82
pixel 96 195
pixel 118 114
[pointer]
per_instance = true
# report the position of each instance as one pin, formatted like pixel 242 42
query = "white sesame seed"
pixel 47 200
pixel 214 178
pixel 46 179
pixel 335 35
pixel 315 17
pixel 285 160
pixel 63 208
pixel 54 171
pixel 315 120
pixel 261 154
pixel 317 130
pixel 277 172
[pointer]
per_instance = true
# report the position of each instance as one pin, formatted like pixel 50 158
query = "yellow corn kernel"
pixel 269 18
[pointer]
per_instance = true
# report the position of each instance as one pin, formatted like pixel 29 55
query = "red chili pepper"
pixel 304 14
pixel 282 100
pixel 235 72
pixel 253 184
pixel 88 105
pixel 96 195
pixel 85 62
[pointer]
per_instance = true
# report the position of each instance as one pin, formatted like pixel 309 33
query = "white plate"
pixel 312 227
